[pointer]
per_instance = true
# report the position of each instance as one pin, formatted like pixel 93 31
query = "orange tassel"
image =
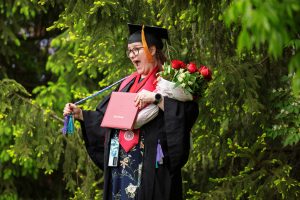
pixel 144 42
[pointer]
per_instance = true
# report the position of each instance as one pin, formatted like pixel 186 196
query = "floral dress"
pixel 126 177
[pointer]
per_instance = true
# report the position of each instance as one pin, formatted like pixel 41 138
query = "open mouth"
pixel 137 63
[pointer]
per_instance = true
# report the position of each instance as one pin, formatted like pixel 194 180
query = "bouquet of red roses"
pixel 179 81
pixel 183 81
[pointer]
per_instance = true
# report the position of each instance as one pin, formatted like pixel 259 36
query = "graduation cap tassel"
pixel 145 45
pixel 69 121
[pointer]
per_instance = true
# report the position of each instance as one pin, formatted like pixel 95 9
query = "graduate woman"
pixel 148 160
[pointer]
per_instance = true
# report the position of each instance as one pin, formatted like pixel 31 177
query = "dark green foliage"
pixel 33 145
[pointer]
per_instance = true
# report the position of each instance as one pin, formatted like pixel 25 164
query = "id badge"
pixel 113 152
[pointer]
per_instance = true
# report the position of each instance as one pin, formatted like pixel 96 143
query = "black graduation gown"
pixel 172 127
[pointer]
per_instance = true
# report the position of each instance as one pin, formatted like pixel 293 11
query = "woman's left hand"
pixel 143 98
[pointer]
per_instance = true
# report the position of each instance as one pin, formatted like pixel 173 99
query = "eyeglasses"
pixel 135 51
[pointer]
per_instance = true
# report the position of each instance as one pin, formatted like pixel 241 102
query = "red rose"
pixel 192 68
pixel 177 64
pixel 206 73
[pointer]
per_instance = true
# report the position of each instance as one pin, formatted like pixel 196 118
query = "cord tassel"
pixel 159 155
pixel 70 127
pixel 64 129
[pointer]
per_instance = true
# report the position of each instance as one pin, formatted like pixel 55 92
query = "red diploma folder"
pixel 121 111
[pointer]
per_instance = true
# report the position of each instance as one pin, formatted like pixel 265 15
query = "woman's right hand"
pixel 72 108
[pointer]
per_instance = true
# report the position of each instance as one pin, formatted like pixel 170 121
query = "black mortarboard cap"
pixel 153 35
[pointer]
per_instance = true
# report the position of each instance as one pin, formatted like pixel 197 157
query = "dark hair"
pixel 160 56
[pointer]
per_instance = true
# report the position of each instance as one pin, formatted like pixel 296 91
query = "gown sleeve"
pixel 179 118
pixel 93 134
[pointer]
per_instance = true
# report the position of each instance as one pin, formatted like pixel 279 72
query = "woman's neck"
pixel 150 67
pixel 150 70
